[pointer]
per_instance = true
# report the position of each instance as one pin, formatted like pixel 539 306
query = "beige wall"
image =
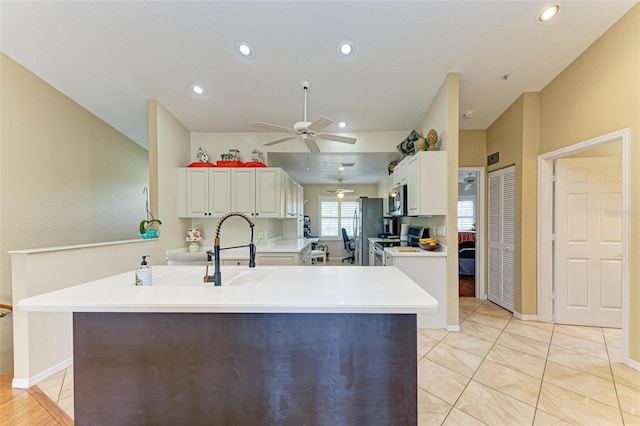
pixel 311 194
pixel 442 116
pixel 472 151
pixel 66 177
pixel 597 94
pixel 515 136
pixel 169 143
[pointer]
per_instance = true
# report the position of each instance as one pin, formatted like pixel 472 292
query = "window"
pixel 466 215
pixel 336 214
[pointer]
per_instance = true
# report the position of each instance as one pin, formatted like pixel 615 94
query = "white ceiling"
pixel 111 57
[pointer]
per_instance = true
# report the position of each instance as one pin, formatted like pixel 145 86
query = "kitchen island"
pixel 273 345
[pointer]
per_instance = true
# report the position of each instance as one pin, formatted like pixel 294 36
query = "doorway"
pixel 471 232
pixel 547 281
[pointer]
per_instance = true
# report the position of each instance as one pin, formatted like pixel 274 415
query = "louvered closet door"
pixel 502 196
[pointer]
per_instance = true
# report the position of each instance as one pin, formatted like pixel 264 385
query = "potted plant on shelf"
pixel 148 229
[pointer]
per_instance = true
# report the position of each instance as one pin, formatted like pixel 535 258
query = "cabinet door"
pixel 243 190
pixel 433 183
pixel 292 195
pixel 219 192
pixel 414 187
pixel 399 173
pixel 300 207
pixel 269 193
pixel 284 259
pixel 197 192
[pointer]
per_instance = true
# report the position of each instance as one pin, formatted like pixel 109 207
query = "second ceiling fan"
pixel 305 130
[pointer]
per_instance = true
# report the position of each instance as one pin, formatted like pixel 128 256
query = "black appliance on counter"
pixel 416 233
pixel 390 227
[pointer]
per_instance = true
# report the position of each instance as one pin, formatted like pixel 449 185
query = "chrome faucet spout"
pixel 216 278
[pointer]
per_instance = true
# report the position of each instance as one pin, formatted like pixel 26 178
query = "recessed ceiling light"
pixel 342 124
pixel 549 13
pixel 468 114
pixel 198 90
pixel 244 49
pixel 345 48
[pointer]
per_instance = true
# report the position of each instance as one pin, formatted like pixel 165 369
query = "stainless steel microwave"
pixel 398 201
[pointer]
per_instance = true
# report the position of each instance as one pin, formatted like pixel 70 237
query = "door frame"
pixel 481 231
pixel 545 247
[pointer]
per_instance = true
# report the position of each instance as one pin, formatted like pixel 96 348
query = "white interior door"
pixel 588 262
pixel 501 258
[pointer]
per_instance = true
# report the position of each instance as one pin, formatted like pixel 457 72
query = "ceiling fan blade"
pixel 336 138
pixel 280 140
pixel 346 190
pixel 319 124
pixel 274 127
pixel 312 145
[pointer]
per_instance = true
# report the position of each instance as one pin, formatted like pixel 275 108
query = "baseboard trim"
pixel 634 364
pixel 525 317
pixel 32 381
pixel 453 328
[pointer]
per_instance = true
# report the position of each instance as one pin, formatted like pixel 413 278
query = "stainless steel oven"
pixel 378 255
pixel 398 201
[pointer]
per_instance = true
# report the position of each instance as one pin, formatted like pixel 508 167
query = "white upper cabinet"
pixel 204 192
pixel 270 192
pixel 399 175
pixel 212 192
pixel 426 177
pixel 243 190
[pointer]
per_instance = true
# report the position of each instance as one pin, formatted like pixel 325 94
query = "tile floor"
pixel 502 371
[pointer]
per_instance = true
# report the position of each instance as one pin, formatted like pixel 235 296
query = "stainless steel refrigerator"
pixel 368 224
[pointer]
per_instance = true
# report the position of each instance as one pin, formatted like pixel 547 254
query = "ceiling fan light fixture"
pixel 340 195
pixel 549 13
pixel 198 90
pixel 244 49
pixel 345 49
pixel 340 167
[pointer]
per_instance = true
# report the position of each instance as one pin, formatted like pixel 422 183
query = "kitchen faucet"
pixel 216 278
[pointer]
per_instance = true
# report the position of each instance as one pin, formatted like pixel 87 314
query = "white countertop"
pixel 395 251
pixel 276 245
pixel 297 289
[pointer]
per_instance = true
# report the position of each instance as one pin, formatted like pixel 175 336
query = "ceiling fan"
pixel 305 130
pixel 340 190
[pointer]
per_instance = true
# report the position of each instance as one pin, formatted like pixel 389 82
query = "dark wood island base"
pixel 245 369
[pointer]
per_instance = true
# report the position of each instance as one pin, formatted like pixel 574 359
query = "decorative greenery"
pixel 145 224
pixel 146 231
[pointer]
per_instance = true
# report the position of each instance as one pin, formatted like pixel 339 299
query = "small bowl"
pixel 428 246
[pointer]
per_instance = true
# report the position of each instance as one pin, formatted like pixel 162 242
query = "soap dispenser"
pixel 143 273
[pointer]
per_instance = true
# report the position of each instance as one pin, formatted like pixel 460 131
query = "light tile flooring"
pixel 502 371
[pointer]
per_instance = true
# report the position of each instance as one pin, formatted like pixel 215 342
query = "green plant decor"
pixel 146 232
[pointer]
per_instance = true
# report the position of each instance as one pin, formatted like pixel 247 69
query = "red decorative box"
pixel 201 164
pixel 221 163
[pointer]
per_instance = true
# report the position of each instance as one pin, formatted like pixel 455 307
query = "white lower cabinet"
pixel 430 273
pixel 284 258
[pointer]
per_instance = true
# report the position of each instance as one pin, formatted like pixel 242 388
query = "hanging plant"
pixel 148 228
